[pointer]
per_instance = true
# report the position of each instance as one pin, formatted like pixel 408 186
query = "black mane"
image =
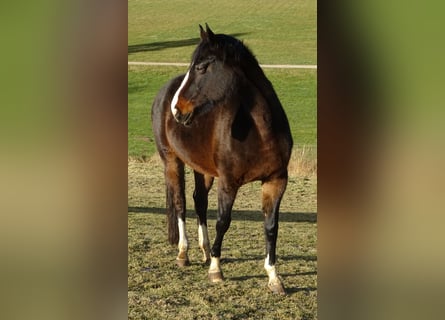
pixel 234 52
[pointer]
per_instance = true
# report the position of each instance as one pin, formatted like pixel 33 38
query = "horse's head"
pixel 211 77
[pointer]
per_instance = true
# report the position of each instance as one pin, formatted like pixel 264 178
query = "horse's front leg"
pixel 200 196
pixel 226 197
pixel 272 192
pixel 176 207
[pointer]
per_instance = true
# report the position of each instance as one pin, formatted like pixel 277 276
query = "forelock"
pixel 225 48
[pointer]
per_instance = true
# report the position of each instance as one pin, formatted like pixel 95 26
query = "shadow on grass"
pixel 161 45
pixel 305 258
pixel 264 276
pixel 243 215
pixel 289 290
pixel 229 260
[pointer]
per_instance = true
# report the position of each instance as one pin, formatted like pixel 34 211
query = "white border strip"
pixel 180 64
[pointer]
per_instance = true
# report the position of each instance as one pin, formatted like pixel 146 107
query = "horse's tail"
pixel 173 231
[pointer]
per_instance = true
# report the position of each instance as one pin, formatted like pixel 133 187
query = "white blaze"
pixel 176 96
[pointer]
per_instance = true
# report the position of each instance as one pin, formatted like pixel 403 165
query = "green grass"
pixel 143 85
pixel 279 31
pixel 296 89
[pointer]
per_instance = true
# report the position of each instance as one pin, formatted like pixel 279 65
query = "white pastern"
pixel 176 96
pixel 183 243
pixel 203 236
pixel 204 243
pixel 271 272
pixel 214 265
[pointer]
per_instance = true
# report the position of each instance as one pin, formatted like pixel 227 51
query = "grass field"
pixel 158 289
pixel 278 32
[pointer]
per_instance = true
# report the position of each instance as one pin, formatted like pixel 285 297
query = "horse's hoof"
pixel 277 288
pixel 216 277
pixel 206 262
pixel 182 262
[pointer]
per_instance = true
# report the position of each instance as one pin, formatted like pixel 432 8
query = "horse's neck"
pixel 257 77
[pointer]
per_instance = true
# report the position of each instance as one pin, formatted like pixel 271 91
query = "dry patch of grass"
pixel 303 162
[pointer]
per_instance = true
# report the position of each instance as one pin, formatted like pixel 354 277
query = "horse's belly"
pixel 202 165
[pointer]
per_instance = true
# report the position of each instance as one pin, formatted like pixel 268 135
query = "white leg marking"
pixel 271 272
pixel 176 96
pixel 275 284
pixel 183 242
pixel 204 243
pixel 214 265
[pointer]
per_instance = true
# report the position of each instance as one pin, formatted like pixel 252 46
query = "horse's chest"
pixel 196 149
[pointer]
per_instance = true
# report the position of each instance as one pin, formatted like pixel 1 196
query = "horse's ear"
pixel 206 35
pixel 210 33
pixel 203 33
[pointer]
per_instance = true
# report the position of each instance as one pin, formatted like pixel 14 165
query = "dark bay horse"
pixel 223 119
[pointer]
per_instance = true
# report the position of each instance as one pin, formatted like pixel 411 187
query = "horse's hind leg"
pixel 175 183
pixel 200 196
pixel 272 192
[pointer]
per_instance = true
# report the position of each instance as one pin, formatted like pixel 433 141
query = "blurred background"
pixel 380 158
pixel 63 160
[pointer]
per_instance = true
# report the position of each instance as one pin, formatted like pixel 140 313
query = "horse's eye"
pixel 202 67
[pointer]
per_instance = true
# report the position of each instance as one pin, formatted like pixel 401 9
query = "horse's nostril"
pixel 178 115
pixel 187 119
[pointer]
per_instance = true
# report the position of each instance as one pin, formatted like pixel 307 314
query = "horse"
pixel 223 119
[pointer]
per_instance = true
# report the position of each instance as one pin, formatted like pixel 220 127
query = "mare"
pixel 224 120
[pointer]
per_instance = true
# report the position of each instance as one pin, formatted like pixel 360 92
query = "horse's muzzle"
pixel 185 119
